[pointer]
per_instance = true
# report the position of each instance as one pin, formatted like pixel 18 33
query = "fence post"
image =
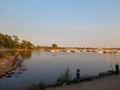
pixel 78 74
pixel 117 69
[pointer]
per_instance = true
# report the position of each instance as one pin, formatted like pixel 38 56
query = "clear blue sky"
pixel 84 23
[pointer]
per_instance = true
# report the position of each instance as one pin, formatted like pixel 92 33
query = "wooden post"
pixel 117 69
pixel 78 74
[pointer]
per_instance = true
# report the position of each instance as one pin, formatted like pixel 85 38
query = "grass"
pixel 65 78
pixel 41 85
pixel 4 88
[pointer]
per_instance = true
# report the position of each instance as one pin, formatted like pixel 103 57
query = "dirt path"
pixel 104 83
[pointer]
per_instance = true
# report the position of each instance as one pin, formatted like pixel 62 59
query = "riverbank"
pixel 8 64
pixel 104 83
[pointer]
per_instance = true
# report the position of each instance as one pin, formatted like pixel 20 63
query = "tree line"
pixel 7 41
pixel 13 42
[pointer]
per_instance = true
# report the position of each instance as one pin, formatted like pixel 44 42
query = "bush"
pixel 64 78
pixel 41 85
pixel 5 88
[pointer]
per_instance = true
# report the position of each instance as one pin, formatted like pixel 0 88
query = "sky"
pixel 76 23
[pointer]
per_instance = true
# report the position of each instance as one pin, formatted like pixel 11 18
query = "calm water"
pixel 46 66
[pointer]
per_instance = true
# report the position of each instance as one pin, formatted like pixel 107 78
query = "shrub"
pixel 41 85
pixel 64 78
pixel 5 88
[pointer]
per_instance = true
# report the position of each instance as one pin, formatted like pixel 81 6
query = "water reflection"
pixel 108 58
pixel 54 54
pixel 26 54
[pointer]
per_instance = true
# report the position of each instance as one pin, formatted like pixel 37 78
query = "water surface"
pixel 46 66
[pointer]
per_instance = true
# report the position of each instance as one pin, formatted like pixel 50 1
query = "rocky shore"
pixel 8 64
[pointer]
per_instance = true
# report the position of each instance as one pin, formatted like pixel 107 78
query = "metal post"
pixel 78 74
pixel 117 69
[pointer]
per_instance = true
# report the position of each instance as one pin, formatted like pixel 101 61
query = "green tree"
pixel 54 46
pixel 7 41
pixel 26 45
pixel 16 41
pixel 1 40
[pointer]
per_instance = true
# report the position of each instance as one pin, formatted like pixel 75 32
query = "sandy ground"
pixel 104 83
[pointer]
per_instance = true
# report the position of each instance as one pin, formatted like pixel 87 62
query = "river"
pixel 39 66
